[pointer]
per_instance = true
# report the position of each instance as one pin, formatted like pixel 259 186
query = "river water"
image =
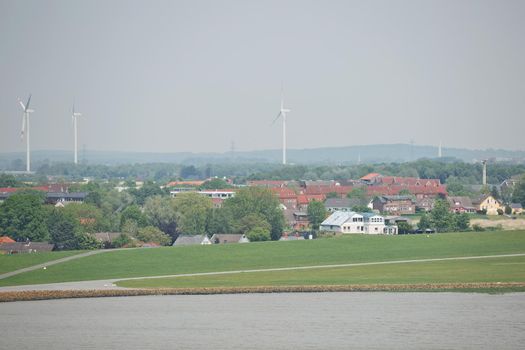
pixel 269 321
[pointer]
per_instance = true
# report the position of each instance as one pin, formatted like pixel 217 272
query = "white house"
pixel 352 222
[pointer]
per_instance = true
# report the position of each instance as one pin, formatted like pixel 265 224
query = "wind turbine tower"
pixel 484 162
pixel 75 115
pixel 25 130
pixel 440 154
pixel 282 113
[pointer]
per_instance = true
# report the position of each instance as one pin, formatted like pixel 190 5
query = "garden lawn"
pixel 14 262
pixel 122 264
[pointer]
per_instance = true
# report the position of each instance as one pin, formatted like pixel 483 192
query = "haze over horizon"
pixel 195 76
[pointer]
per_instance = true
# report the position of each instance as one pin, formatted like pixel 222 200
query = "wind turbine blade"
pixel 22 104
pixel 28 102
pixel 278 115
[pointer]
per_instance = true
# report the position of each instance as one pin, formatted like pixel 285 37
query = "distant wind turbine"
pixel 282 113
pixel 25 129
pixel 75 115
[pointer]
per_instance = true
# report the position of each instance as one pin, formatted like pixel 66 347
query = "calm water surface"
pixel 269 321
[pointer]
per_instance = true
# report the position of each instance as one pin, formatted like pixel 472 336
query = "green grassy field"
pixel 14 262
pixel 348 249
pixel 511 269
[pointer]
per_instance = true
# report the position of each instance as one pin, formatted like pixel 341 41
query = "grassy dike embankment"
pixel 487 274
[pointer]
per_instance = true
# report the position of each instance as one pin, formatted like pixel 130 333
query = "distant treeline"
pixel 447 170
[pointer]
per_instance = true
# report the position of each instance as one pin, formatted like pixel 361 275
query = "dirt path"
pixel 110 283
pixel 49 263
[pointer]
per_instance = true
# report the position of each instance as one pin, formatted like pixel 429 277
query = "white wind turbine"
pixel 75 115
pixel 25 129
pixel 282 113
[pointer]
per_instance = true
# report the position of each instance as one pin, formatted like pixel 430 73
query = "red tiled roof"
pixel 395 189
pixel 284 192
pixel 370 176
pixel 409 181
pixel 6 239
pixel 323 189
pixel 307 198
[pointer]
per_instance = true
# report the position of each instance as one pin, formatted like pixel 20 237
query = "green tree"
pixel 518 195
pixel 161 214
pixel 94 198
pixel 133 213
pixel 251 221
pixel 219 221
pixel 424 222
pixel 361 209
pixel 149 189
pixel 256 200
pixel 495 193
pixel 63 229
pixel 9 181
pixel 332 195
pixel 90 218
pixel 440 216
pixel 461 221
pixel 192 212
pixel 215 184
pixel 316 213
pixel 123 240
pixel 258 234
pixel 152 234
pixel 404 227
pixel 23 216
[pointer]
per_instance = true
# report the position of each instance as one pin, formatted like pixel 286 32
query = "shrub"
pixel 477 228
pixel 258 234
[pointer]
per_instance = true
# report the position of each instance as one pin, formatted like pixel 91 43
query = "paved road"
pixel 110 283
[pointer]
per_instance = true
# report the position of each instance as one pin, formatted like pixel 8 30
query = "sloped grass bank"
pixel 486 270
pixel 14 262
pixel 229 257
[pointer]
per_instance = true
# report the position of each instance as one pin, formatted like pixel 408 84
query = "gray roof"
pixel 384 199
pixel 337 203
pixel 106 236
pixel 464 202
pixel 516 206
pixel 338 218
pixel 228 238
pixel 27 247
pixel 72 195
pixel 189 240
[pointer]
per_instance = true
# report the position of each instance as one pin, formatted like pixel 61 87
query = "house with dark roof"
pixel 26 247
pixel 395 205
pixel 516 208
pixel 220 238
pixel 488 204
pixel 461 204
pixel 183 240
pixel 341 204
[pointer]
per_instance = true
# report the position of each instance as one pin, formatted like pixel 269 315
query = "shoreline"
pixel 490 288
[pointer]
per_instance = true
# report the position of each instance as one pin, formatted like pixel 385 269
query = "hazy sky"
pixel 176 76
